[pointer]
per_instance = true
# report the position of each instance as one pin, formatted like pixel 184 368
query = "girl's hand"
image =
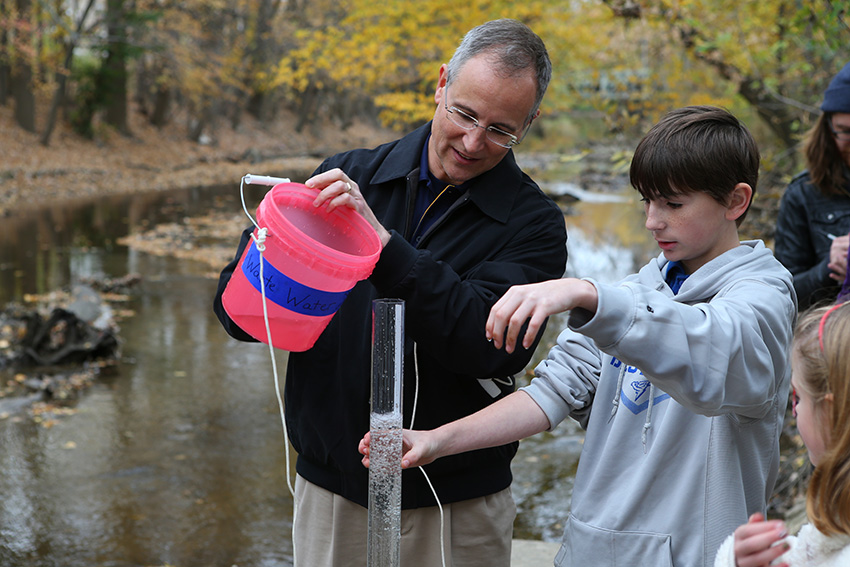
pixel 758 542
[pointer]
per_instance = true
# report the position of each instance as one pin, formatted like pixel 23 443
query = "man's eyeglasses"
pixel 841 133
pixel 467 122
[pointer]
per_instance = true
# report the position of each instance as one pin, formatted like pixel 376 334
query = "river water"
pixel 176 455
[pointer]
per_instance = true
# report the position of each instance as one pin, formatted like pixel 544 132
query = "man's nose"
pixel 475 139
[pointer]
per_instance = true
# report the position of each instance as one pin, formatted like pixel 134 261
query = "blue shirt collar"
pixel 675 275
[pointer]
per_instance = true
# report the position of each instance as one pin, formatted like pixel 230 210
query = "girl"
pixel 820 362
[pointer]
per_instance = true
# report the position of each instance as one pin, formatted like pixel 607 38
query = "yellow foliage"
pixel 630 70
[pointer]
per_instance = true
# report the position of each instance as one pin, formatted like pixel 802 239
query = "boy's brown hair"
pixel 696 149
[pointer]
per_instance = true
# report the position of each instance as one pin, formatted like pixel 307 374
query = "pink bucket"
pixel 312 260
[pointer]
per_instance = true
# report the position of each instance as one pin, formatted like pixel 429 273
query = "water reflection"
pixel 176 457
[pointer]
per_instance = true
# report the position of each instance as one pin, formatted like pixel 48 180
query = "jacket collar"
pixel 494 191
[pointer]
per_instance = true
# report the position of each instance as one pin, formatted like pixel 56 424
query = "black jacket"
pixel 805 222
pixel 503 231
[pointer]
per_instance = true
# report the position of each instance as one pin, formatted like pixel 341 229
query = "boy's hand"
pixel 418 448
pixel 757 542
pixel 534 303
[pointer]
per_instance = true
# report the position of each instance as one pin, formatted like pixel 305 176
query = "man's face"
pixel 456 155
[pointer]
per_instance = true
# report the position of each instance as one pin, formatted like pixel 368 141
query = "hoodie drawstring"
pixel 648 423
pixel 620 379
pixel 616 404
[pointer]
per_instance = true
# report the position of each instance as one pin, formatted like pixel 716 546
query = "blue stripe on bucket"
pixel 287 292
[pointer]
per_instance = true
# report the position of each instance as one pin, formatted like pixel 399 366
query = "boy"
pixel 679 373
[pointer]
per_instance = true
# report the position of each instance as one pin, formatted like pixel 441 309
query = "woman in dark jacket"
pixel 814 215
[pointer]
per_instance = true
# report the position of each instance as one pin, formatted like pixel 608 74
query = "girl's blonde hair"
pixel 822 345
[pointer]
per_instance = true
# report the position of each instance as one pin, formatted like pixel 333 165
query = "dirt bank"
pixel 158 159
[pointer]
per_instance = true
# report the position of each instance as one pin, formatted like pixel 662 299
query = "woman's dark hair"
pixel 823 160
pixel 695 149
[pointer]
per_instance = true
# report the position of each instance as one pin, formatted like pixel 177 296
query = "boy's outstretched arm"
pixel 534 303
pixel 510 419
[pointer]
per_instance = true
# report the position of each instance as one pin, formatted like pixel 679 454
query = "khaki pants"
pixel 331 531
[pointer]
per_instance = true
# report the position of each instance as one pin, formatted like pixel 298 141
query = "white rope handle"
pixel 260 240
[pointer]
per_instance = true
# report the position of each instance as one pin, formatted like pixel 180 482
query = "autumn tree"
pixel 70 27
pixel 112 79
pixel 625 61
pixel 390 51
pixel 776 55
pixel 21 56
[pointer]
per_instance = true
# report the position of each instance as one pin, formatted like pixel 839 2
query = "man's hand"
pixel 337 189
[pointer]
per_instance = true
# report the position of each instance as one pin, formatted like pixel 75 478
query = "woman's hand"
pixel 337 189
pixel 838 257
pixel 758 542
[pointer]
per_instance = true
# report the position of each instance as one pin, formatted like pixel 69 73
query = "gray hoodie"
pixel 683 398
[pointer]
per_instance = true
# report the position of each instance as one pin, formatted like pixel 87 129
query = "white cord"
pixel 428 480
pixel 259 240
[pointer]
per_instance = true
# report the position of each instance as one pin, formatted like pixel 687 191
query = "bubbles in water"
pixel 385 489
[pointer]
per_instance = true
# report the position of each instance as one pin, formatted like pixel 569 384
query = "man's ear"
pixel 441 84
pixel 739 201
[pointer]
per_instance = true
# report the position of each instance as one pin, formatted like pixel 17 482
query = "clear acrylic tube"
pixel 385 425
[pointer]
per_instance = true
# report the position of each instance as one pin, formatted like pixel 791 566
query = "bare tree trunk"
pixel 5 83
pixel 23 96
pixel 5 70
pixel 22 85
pixel 62 78
pixel 161 106
pixel 260 53
pixel 115 66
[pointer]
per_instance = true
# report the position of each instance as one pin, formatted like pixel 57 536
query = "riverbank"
pixel 153 159
pixel 158 159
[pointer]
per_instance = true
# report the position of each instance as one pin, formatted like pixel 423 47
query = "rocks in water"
pixel 53 352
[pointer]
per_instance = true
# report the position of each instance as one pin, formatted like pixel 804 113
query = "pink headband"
pixel 823 322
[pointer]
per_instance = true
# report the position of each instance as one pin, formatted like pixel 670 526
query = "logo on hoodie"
pixel 636 389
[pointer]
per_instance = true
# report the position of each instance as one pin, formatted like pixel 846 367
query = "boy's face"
pixel 692 227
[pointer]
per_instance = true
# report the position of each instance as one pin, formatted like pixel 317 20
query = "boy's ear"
pixel 739 201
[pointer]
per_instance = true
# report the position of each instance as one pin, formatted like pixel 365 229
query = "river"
pixel 176 455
